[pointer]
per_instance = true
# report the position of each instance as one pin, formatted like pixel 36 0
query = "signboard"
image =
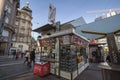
pixel 78 41
pixel 52 13
pixel 66 39
pixel 47 42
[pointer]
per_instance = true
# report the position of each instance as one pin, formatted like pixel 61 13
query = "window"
pixel 21 39
pixel 15 30
pixel 25 39
pixel 24 16
pixel 6 20
pixel 5 33
pixel 22 32
pixel 8 9
pixel 13 38
pixel 16 23
pixel 23 24
pixel 11 1
pixel 20 46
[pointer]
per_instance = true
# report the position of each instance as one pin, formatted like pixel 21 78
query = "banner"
pixel 52 14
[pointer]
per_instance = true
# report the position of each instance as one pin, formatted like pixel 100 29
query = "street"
pixel 16 70
pixel 91 73
pixel 10 67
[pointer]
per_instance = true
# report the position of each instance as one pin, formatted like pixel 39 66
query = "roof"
pixel 78 22
pixel 44 28
pixel 65 32
pixel 107 25
pixel 70 23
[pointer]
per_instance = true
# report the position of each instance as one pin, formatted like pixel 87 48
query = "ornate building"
pixel 8 12
pixel 23 28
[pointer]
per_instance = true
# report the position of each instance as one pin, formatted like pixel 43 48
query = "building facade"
pixel 8 12
pixel 23 28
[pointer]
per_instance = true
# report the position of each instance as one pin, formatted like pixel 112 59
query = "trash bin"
pixel 41 68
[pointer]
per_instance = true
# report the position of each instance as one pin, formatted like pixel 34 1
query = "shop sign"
pixel 77 40
pixel 102 40
pixel 47 42
pixel 92 41
pixel 66 39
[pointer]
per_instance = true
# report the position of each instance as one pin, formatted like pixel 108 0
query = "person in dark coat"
pixel 32 56
pixel 108 59
pixel 14 54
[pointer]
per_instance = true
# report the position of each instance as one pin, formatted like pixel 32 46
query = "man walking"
pixel 32 56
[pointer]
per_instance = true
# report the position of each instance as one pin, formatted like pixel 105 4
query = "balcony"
pixel 10 27
pixel 21 34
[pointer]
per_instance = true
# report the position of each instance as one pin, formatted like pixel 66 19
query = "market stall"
pixel 65 50
pixel 67 54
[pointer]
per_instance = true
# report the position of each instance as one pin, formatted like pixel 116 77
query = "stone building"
pixel 23 28
pixel 8 12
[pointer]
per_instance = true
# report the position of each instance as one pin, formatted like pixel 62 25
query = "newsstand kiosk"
pixel 71 60
pixel 64 50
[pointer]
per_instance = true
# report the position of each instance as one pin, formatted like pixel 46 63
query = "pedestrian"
pixel 14 54
pixel 29 59
pixel 32 56
pixel 17 55
pixel 108 59
pixel 94 56
pixel 26 56
pixel 22 53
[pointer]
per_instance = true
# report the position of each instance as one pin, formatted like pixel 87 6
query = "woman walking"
pixel 27 58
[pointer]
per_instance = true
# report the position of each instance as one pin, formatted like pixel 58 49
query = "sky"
pixel 67 10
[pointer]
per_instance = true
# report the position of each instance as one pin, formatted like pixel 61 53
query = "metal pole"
pixel 58 46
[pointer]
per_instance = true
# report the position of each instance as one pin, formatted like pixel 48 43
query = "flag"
pixel 52 13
